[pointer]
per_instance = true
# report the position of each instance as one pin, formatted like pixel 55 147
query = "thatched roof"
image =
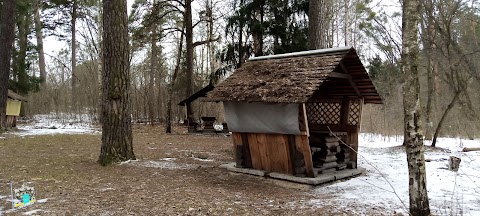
pixel 15 96
pixel 295 77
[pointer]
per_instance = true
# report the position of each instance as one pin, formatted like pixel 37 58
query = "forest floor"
pixel 178 174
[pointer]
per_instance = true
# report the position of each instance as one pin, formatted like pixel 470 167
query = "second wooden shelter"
pixel 14 104
pixel 287 111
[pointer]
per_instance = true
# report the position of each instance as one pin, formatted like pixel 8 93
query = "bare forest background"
pixel 178 47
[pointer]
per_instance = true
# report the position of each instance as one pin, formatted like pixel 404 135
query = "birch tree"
pixel 413 139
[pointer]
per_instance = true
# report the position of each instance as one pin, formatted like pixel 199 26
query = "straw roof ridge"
pixel 285 78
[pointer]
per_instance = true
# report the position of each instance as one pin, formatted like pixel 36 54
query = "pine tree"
pixel 116 107
pixel 7 37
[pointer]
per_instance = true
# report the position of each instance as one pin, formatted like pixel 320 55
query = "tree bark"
pixel 470 149
pixel 257 32
pixel 74 52
pixel 445 113
pixel 240 40
pixel 210 38
pixel 153 71
pixel 39 34
pixel 428 41
pixel 20 66
pixel 316 31
pixel 7 37
pixel 419 204
pixel 189 44
pixel 116 107
pixel 168 128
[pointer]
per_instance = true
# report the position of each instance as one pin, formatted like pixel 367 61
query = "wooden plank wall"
pixel 11 121
pixel 272 152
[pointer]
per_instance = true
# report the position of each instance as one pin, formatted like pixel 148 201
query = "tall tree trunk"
pixel 168 127
pixel 21 61
pixel 240 40
pixel 189 44
pixel 210 37
pixel 419 204
pixel 74 56
pixel 7 37
pixel 160 91
pixel 429 46
pixel 346 22
pixel 153 71
pixel 41 54
pixel 316 31
pixel 445 113
pixel 257 32
pixel 100 61
pixel 116 107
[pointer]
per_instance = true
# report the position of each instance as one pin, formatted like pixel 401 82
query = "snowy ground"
pixel 56 124
pixel 450 193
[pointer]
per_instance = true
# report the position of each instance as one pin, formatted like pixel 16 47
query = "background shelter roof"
pixel 295 77
pixel 200 93
pixel 15 96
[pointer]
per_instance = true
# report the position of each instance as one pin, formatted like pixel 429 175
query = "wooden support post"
pixel 304 110
pixel 302 146
pixel 246 151
pixel 353 138
pixel 344 111
pixel 297 158
pixel 242 151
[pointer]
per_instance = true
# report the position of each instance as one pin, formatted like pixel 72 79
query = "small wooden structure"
pixel 286 111
pixel 14 104
pixel 191 123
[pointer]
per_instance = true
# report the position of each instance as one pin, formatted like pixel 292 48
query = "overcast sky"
pixel 53 45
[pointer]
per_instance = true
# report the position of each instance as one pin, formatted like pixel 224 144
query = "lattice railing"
pixel 323 113
pixel 355 112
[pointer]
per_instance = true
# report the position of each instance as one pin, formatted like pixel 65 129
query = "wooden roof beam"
pixel 347 76
pixel 339 75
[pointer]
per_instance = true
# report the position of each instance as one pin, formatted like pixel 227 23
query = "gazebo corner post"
pixel 241 150
pixel 302 157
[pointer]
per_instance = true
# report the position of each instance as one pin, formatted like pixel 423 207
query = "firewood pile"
pixel 330 154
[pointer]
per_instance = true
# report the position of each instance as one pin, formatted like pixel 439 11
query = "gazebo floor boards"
pixel 320 179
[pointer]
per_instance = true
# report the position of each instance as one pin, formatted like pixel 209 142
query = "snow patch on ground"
pixel 170 165
pixel 56 124
pixel 203 160
pixel 106 189
pixel 33 212
pixel 127 161
pixel 42 200
pixel 449 192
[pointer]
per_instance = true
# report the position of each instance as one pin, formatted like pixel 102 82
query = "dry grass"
pixel 63 169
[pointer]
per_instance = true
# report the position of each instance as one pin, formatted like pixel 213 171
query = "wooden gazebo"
pixel 287 111
pixel 187 103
